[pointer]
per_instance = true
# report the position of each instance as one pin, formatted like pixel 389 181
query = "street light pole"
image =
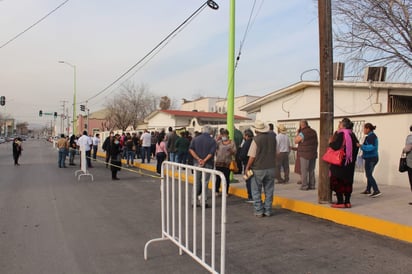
pixel 74 95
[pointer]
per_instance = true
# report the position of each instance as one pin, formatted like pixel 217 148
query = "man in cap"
pixel 262 160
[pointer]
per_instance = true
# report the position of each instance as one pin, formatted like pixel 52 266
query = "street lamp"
pixel 74 96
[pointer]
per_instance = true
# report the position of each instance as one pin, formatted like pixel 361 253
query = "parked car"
pixel 2 140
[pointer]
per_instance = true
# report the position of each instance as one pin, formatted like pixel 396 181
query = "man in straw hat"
pixel 282 154
pixel 262 160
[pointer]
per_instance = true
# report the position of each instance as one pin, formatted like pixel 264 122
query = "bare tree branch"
pixel 374 33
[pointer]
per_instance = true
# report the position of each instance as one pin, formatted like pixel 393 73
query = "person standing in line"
pixel 282 154
pixel 115 156
pixel 238 138
pixel 341 176
pixel 371 157
pixel 96 142
pixel 225 152
pixel 17 149
pixel 72 149
pixel 171 146
pixel 182 148
pixel 307 141
pixel 106 146
pixel 248 137
pixel 85 143
pixel 262 160
pixel 407 150
pixel 203 149
pixel 161 152
pixel 130 151
pixel 62 147
pixel 153 142
pixel 146 139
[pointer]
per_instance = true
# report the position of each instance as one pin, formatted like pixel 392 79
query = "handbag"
pixel 334 157
pixel 402 164
pixel 233 166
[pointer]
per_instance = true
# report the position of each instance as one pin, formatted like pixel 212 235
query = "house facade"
pixel 386 105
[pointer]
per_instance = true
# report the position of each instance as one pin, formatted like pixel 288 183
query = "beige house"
pixel 221 105
pixel 204 104
pixel 386 105
pixel 191 120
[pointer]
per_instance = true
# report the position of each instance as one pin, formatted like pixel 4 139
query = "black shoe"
pixel 375 194
pixel 115 179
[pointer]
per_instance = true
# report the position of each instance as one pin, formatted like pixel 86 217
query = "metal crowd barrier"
pixel 182 220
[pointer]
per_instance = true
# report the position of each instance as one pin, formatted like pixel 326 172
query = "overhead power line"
pixel 209 3
pixel 33 25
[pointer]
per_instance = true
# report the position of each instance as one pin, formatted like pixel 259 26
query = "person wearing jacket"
pixel 371 157
pixel 341 176
pixel 407 150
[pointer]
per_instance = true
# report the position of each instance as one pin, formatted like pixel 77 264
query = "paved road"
pixel 50 223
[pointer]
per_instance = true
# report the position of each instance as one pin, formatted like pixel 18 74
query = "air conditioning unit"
pixel 377 74
pixel 338 71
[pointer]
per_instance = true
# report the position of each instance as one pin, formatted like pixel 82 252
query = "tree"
pixel 130 106
pixel 165 103
pixel 374 33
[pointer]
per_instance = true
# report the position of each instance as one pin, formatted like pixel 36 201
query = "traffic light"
pixel 2 100
pixel 82 107
pixel 55 115
pixel 40 113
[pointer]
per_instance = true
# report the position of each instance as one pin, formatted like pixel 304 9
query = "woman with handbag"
pixel 407 150
pixel 225 151
pixel 341 175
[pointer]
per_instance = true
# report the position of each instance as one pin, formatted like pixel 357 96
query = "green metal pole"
pixel 231 76
pixel 74 103
pixel 231 72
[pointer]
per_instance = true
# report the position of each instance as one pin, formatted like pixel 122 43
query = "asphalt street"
pixel 52 223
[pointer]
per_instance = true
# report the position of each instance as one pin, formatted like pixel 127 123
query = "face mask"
pixel 116 142
pixel 224 138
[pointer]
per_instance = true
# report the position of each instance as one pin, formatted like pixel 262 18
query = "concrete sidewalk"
pixel 389 215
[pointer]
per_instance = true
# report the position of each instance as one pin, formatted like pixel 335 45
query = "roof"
pixel 197 114
pixel 100 114
pixel 254 106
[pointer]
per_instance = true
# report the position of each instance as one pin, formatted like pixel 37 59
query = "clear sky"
pixel 104 38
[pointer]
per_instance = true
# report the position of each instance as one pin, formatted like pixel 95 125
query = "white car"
pixel 2 140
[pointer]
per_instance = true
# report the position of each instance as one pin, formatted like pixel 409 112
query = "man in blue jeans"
pixel 203 149
pixel 262 160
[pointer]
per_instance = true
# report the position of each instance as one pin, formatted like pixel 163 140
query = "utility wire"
pixel 151 51
pixel 33 25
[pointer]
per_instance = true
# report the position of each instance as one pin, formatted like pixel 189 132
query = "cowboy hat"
pixel 282 128
pixel 260 126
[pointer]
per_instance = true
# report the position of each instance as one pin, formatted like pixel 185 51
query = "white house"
pixel 203 104
pixel 386 105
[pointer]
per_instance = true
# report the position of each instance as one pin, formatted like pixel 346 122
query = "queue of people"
pixel 262 156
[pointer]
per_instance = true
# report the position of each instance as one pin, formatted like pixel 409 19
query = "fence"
pixel 180 222
pixel 83 166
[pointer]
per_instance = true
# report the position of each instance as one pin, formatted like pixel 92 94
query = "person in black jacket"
pixel 341 176
pixel 106 147
pixel 116 156
pixel 248 137
pixel 17 148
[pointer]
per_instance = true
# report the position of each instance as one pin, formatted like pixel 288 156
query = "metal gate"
pixel 185 215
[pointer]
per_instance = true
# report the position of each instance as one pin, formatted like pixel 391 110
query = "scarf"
pixel 347 140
